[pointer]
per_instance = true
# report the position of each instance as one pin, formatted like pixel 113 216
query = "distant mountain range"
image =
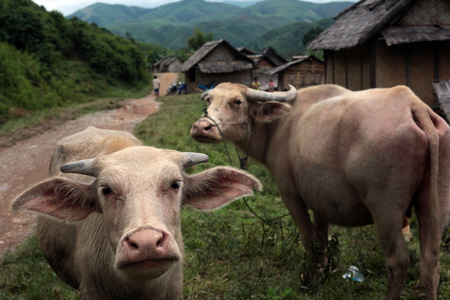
pixel 277 23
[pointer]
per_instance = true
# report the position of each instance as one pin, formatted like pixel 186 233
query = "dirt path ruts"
pixel 27 162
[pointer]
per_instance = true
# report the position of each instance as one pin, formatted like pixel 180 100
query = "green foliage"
pixel 44 58
pixel 196 41
pixel 311 35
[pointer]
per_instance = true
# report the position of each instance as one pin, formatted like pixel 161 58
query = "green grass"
pixel 230 253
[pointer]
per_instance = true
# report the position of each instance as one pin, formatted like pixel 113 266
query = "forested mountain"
pixel 47 60
pixel 171 24
pixel 289 38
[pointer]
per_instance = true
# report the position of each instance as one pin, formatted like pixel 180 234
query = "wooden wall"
pixel 374 64
pixel 349 68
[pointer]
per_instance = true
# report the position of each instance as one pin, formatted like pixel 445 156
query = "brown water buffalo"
pixel 111 226
pixel 353 158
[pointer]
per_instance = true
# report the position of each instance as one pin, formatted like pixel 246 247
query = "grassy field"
pixel 231 253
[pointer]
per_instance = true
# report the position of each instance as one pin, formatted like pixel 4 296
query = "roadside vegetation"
pixel 47 61
pixel 231 253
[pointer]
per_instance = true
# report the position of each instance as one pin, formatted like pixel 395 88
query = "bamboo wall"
pixel 303 74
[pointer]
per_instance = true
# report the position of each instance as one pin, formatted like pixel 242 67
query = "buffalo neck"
pixel 259 143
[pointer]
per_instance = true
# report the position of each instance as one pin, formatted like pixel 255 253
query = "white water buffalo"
pixel 111 226
pixel 353 158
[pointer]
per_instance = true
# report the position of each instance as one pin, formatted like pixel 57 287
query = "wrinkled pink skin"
pixel 353 158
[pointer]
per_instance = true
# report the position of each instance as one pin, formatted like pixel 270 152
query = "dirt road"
pixel 27 162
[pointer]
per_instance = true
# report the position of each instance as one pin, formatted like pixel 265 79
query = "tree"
pixel 198 39
pixel 311 35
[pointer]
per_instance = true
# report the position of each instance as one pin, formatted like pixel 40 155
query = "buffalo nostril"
pixel 130 244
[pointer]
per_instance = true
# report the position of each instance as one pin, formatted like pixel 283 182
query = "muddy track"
pixel 27 161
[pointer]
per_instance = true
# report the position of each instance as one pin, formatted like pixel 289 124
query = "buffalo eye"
pixel 106 190
pixel 175 185
pixel 237 102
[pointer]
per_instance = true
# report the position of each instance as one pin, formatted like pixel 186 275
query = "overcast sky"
pixel 70 6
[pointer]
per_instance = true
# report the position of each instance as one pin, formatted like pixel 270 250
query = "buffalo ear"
pixel 218 186
pixel 59 198
pixel 268 111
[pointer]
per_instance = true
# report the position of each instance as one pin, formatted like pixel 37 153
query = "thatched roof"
pixel 221 64
pixel 246 51
pixel 426 21
pixel 291 63
pixel 273 56
pixel 165 61
pixel 442 90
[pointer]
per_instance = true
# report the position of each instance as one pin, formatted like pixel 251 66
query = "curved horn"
pixel 85 167
pixel 191 158
pixel 203 95
pixel 261 96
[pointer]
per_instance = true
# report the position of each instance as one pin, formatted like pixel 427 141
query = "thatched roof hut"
pixel 167 64
pixel 264 62
pixel 217 62
pixel 382 43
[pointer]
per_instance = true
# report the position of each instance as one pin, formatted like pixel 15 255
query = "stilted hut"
pixel 383 43
pixel 217 62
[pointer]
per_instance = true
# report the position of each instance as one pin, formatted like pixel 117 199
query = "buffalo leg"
pixel 430 238
pixel 388 224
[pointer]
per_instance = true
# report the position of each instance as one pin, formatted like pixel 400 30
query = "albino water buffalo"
pixel 111 226
pixel 353 158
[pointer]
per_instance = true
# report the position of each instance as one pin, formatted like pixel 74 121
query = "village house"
pixel 216 62
pixel 383 43
pixel 264 62
pixel 300 73
pixel 167 64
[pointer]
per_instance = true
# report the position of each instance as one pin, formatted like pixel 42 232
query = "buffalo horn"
pixel 191 158
pixel 85 167
pixel 261 96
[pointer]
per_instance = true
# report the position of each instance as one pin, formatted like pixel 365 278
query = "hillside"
pixel 171 24
pixel 288 38
pixel 48 61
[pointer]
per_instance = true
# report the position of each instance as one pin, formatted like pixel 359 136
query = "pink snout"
pixel 203 131
pixel 147 251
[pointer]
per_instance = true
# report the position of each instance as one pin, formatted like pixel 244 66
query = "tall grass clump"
pixel 233 254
